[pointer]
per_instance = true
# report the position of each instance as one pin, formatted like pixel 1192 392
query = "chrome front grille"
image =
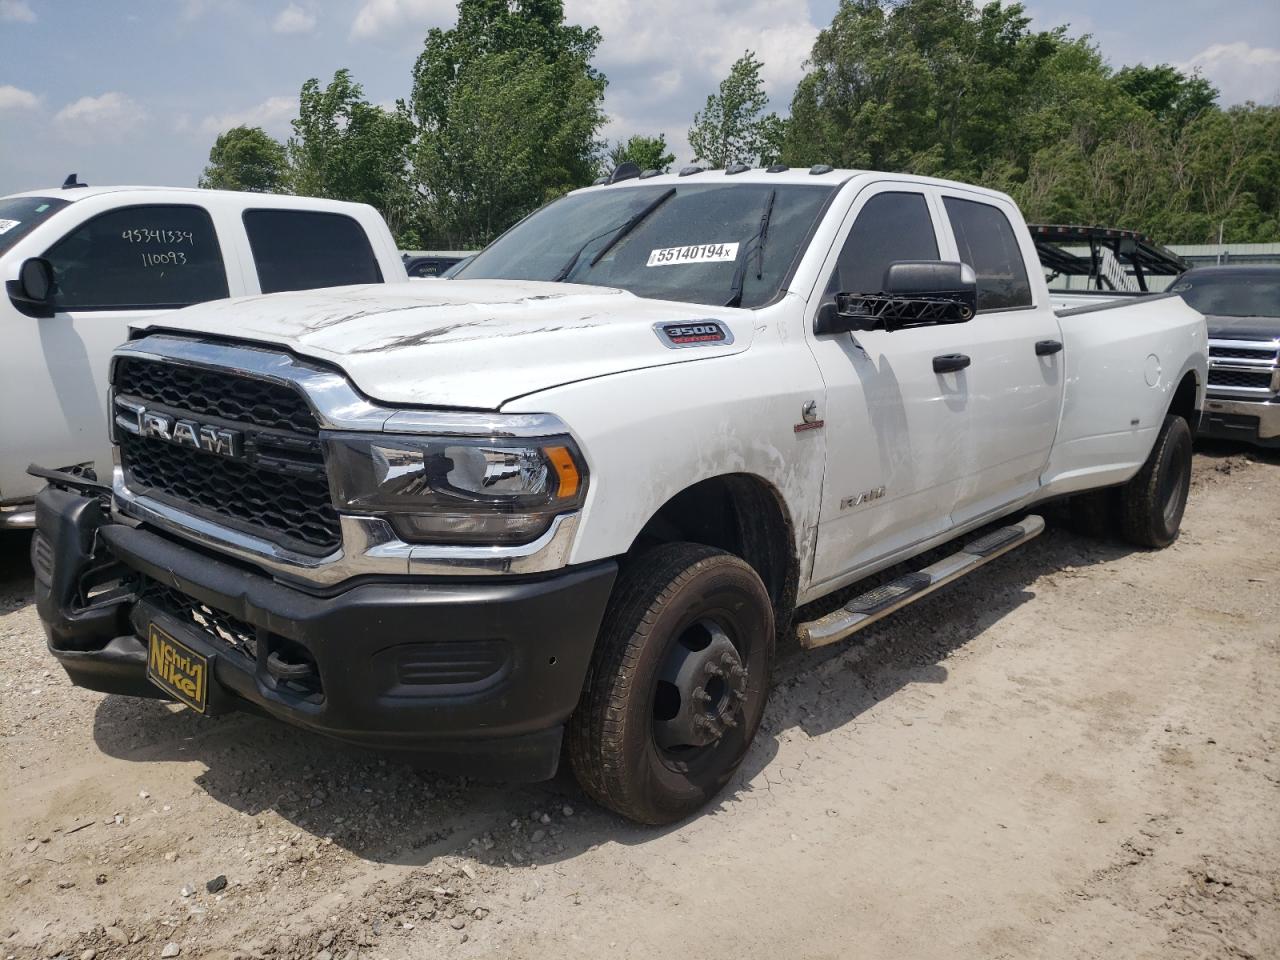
pixel 252 458
pixel 1244 369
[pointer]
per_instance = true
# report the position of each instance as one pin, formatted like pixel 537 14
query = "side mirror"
pixel 32 292
pixel 915 293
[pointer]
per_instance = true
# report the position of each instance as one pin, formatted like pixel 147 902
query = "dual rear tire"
pixel 1147 511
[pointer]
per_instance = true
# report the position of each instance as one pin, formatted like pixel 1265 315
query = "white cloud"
pixel 107 117
pixel 378 17
pixel 694 37
pixel 17 11
pixel 272 114
pixel 293 19
pixel 15 98
pixel 663 57
pixel 1240 71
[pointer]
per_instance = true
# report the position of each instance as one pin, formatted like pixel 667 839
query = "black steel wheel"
pixel 678 684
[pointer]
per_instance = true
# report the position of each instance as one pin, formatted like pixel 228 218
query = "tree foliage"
pixel 508 111
pixel 505 113
pixel 733 127
pixel 647 153
pixel 346 148
pixel 952 89
pixel 245 158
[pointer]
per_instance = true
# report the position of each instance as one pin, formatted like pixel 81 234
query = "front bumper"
pixel 1245 420
pixel 473 676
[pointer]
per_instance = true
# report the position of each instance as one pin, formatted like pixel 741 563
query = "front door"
pixel 897 432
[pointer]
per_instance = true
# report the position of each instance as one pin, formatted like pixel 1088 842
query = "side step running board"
pixel 865 609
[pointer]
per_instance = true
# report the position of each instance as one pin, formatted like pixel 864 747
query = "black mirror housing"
pixel 915 293
pixel 32 292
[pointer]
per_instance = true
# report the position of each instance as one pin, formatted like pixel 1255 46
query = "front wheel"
pixel 1152 503
pixel 678 683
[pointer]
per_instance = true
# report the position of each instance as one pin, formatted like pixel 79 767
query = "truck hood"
pixel 465 343
pixel 1243 328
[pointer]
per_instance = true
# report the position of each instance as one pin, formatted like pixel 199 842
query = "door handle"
pixel 950 362
pixel 1047 348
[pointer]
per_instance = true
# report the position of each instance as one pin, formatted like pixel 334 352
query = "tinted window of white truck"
pixel 890 227
pixel 987 243
pixel 302 250
pixel 150 256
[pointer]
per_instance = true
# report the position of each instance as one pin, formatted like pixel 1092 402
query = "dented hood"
pixel 465 343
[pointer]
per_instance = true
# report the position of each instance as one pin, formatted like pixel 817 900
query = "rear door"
pixel 898 433
pixel 1014 345
pixel 116 266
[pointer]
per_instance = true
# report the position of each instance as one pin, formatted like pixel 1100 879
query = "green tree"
pixel 508 111
pixel 245 158
pixel 346 148
pixel 1167 93
pixel 732 127
pixel 647 153
pixel 934 86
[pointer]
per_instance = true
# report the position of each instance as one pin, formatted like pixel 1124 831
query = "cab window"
pixel 987 243
pixel 144 257
pixel 304 250
pixel 890 227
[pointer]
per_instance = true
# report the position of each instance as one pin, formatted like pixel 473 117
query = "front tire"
pixel 678 684
pixel 1153 502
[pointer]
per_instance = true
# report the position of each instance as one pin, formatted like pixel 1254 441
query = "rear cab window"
pixel 149 256
pixel 304 249
pixel 985 241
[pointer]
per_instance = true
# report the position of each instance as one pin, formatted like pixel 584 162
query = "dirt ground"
pixel 1071 754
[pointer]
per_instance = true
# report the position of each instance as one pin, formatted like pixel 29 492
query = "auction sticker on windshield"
pixel 700 253
pixel 7 225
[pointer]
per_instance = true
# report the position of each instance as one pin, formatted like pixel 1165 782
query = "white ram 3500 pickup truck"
pixel 579 491
pixel 81 263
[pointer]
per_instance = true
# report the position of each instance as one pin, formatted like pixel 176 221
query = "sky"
pixel 135 91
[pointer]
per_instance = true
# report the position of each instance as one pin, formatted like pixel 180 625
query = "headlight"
pixel 458 489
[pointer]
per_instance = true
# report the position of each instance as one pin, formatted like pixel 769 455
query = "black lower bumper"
pixel 476 676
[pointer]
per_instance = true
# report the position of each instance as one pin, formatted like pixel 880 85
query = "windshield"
pixel 20 215
pixel 1232 294
pixel 719 244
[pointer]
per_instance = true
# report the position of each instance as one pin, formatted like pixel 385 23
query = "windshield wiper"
pixel 761 235
pixel 619 232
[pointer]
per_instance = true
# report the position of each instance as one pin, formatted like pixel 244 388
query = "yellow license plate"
pixel 177 669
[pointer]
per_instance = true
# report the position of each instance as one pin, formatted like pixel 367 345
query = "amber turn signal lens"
pixel 566 471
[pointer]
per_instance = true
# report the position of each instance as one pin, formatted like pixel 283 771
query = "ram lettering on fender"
pixel 693 333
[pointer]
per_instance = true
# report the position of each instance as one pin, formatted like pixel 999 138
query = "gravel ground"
pixel 1070 754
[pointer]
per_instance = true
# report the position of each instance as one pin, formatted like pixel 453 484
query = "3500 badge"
pixel 693 333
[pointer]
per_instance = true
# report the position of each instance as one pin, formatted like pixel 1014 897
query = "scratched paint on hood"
pixel 465 343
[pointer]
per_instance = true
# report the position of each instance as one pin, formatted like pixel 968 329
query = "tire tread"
pixel 1140 497
pixel 597 728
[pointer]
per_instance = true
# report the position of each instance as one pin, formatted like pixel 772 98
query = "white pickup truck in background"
pixel 579 491
pixel 81 263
